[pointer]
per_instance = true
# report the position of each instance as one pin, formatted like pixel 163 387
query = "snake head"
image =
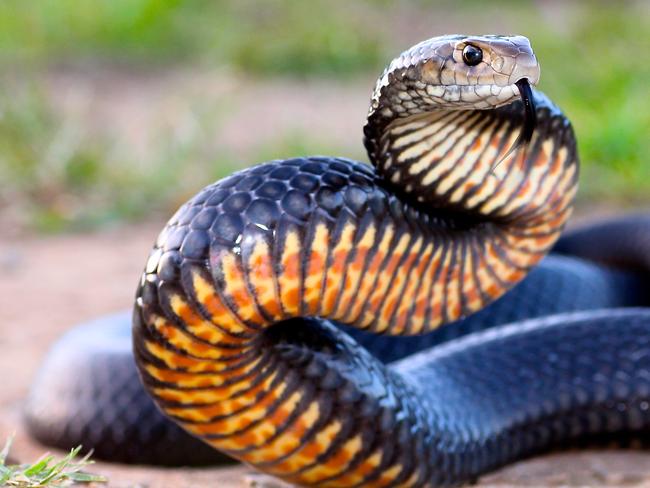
pixel 454 73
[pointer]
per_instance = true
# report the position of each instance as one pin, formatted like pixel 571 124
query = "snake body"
pixel 237 327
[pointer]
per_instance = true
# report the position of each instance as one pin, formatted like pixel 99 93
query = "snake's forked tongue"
pixel 530 119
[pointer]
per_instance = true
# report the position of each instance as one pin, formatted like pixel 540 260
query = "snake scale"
pixel 266 314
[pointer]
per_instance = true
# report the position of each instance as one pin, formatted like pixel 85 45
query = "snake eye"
pixel 472 55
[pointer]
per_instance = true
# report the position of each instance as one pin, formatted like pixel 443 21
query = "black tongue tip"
pixel 530 118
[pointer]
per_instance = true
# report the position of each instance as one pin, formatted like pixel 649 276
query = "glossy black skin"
pixel 116 417
pixel 88 393
pixel 621 243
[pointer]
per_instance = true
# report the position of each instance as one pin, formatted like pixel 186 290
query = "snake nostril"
pixel 472 55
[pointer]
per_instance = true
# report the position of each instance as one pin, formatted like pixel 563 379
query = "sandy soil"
pixel 49 284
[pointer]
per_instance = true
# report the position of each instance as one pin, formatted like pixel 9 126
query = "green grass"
pixel 47 471
pixel 594 66
pixel 278 36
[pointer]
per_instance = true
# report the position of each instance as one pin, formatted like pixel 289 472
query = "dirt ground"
pixel 48 284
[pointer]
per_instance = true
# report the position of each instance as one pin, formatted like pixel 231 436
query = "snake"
pixel 338 324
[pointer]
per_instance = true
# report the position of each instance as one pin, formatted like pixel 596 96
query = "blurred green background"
pixel 117 110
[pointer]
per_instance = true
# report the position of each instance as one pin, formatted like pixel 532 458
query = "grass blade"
pixel 5 450
pixel 46 471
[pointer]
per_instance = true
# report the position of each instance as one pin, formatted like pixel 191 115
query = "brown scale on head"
pixel 327 238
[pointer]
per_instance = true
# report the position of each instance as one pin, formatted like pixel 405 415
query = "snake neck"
pixel 454 159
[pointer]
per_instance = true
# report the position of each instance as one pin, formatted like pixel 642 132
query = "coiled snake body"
pixel 231 327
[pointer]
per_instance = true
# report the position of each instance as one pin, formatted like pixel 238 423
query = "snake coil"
pixel 236 326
